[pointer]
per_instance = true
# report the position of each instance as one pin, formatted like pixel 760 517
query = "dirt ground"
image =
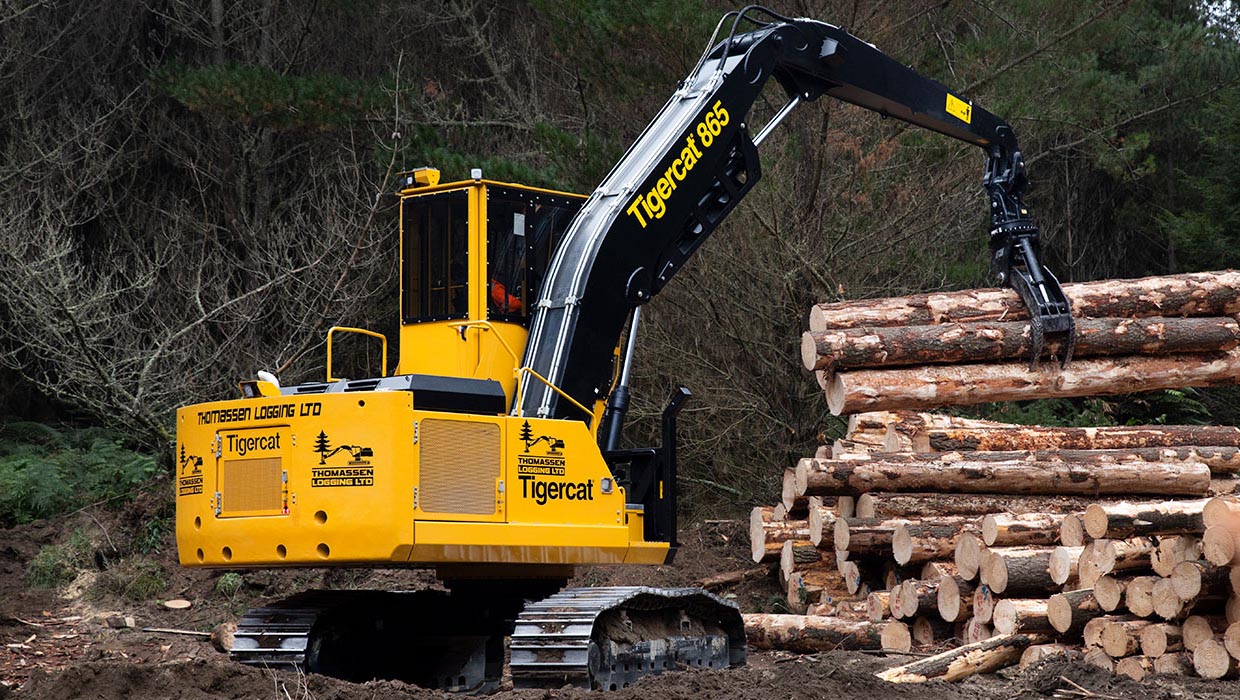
pixel 57 644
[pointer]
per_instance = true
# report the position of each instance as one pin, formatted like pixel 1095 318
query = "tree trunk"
pixel 1197 628
pixel 916 542
pixel 865 537
pixel 958 385
pixel 878 605
pixel 1062 566
pixel 1123 638
pixel 1109 592
pixel 804 588
pixel 1192 579
pixel 1101 438
pixel 1173 664
pixel 990 341
pixel 820 519
pixel 1195 294
pixel 930 630
pixel 1017 571
pixel 897 636
pixel 911 505
pixel 1161 638
pixel 1035 654
pixel 824 478
pixel 1104 556
pixel 1139 595
pixel 982 657
pixel 1010 530
pixel 809 634
pixel 1231 639
pixel 919 598
pixel 968 556
pixel 1020 615
pixel 1120 520
pixel 1172 550
pixel 955 599
pixel 983 604
pixel 1135 667
pixel 977 631
pixel 1068 612
pixel 797 555
pixel 1219 546
pixel 767 537
pixel 1072 530
pixel 1211 660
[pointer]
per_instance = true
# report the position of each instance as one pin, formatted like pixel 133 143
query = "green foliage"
pixel 255 95
pixel 228 584
pixel 137 578
pixel 58 564
pixel 45 471
pixel 1061 412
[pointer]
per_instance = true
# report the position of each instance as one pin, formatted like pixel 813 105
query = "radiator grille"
pixel 459 465
pixel 252 487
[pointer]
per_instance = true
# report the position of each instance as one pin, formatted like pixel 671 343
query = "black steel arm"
pixel 696 160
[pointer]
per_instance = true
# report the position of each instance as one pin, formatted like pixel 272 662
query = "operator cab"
pixel 473 257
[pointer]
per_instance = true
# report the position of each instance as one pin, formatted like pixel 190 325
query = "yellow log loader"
pixel 492 452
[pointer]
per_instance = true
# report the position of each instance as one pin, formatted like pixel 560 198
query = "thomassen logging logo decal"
pixel 536 471
pixel 358 471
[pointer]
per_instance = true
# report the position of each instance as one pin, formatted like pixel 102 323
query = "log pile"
pixel 960 348
pixel 876 552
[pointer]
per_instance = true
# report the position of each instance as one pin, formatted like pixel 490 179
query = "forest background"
pixel 194 190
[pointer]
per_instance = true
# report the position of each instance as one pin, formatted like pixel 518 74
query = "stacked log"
pixel 920 568
pixel 971 347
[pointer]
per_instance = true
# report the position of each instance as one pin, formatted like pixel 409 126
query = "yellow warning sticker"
pixel 959 109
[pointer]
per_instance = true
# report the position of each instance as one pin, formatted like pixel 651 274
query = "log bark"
pixel 911 505
pixel 1125 519
pixel 1021 615
pixel 990 341
pixel 919 598
pixel 1167 604
pixel 797 555
pixel 820 519
pixel 809 634
pixel 1192 579
pixel 830 477
pixel 959 385
pixel 955 599
pixel 1100 438
pixel 1068 613
pixel 767 534
pixel 1012 530
pixel 732 578
pixel 788 493
pixel 1062 566
pixel 864 537
pixel 897 636
pixel 1194 294
pixel 1197 628
pixel 1105 556
pixel 1172 550
pixel 981 657
pixel 1161 638
pixel 1018 571
pixel 930 540
pixel 1211 660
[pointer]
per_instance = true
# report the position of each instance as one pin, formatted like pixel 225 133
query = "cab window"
pixel 523 229
pixel 435 246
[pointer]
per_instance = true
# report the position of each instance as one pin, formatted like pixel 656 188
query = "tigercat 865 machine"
pixel 492 452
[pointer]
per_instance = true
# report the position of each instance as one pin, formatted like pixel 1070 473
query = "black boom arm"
pixel 696 160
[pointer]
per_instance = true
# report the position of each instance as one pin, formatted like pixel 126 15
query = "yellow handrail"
pixel 363 331
pixel 554 388
pixel 487 326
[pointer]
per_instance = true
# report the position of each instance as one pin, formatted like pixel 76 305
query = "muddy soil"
pixel 57 643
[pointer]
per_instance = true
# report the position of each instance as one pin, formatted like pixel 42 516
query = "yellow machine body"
pixel 346 476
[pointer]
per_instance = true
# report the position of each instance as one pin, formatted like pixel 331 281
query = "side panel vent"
pixel 459 463
pixel 251 487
